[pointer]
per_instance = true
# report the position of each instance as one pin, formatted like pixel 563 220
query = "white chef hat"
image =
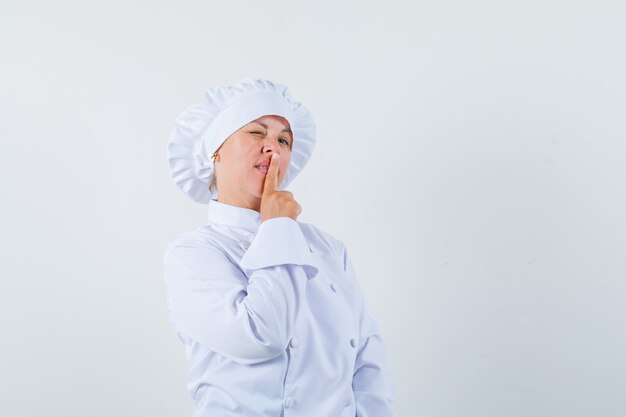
pixel 202 128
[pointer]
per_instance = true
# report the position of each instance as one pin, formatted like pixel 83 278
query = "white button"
pixel 353 342
pixel 289 402
pixel 311 248
pixel 293 342
pixel 244 244
pixel 333 286
pixel 348 402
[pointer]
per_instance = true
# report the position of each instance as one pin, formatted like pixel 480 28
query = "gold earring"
pixel 215 156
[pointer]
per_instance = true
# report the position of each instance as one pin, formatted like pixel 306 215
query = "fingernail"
pixel 274 155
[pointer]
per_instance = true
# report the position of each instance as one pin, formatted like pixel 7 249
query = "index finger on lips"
pixel 271 178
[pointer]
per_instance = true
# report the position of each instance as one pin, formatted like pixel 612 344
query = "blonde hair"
pixel 212 182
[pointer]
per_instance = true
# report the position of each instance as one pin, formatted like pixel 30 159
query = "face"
pixel 240 180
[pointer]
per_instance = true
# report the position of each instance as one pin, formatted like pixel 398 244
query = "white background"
pixel 471 155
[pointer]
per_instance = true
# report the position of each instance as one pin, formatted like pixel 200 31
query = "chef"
pixel 269 309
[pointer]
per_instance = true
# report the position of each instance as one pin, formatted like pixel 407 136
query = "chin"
pixel 256 191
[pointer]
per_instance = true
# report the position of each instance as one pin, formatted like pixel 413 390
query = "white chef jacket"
pixel 274 321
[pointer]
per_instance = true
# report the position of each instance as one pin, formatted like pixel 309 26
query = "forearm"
pixel 248 318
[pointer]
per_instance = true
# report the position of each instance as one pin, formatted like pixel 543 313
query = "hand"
pixel 276 203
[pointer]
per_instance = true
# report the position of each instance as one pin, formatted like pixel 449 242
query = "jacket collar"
pixel 233 216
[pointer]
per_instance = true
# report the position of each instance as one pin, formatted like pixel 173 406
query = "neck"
pixel 249 202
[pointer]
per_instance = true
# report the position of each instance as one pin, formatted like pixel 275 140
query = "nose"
pixel 270 145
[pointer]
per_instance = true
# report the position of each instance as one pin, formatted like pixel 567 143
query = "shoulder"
pixel 206 237
pixel 193 239
pixel 195 252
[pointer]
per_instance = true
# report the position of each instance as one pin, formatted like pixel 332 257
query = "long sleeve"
pixel 371 383
pixel 244 312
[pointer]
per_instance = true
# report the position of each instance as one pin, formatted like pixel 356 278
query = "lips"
pixel 263 166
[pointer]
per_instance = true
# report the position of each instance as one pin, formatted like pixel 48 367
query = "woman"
pixel 269 309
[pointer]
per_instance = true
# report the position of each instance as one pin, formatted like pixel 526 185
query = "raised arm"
pixel 247 320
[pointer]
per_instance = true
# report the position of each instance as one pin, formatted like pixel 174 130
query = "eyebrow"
pixel 265 126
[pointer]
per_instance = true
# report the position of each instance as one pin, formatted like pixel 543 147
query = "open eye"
pixel 285 141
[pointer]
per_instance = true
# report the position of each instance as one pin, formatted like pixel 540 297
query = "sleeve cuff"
pixel 279 241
